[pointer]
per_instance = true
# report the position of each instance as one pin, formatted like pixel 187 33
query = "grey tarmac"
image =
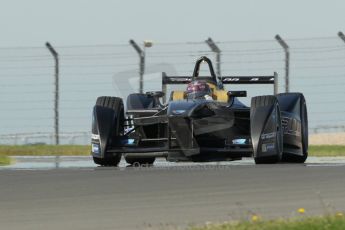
pixel 165 197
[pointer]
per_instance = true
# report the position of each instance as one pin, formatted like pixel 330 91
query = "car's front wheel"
pixel 140 161
pixel 109 161
pixel 108 125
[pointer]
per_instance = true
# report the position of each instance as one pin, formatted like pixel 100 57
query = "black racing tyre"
pixel 109 161
pixel 265 122
pixel 140 161
pixel 289 101
pixel 266 160
pixel 305 133
pixel 115 104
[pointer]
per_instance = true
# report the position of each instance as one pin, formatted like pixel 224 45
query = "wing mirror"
pixel 155 94
pixel 237 93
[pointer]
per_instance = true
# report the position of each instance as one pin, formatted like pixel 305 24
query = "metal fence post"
pixel 141 54
pixel 287 61
pixel 164 88
pixel 216 50
pixel 56 93
pixel 275 87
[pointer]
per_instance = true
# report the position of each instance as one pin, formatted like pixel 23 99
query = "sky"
pixel 86 72
pixel 85 22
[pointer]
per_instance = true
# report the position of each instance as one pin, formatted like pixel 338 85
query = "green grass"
pixel 45 150
pixel 84 150
pixel 5 160
pixel 327 150
pixel 311 223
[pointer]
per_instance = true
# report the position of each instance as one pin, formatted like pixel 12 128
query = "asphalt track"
pixel 166 197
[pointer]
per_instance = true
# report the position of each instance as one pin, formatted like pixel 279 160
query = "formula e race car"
pixel 203 123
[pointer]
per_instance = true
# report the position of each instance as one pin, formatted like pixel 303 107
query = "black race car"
pixel 203 123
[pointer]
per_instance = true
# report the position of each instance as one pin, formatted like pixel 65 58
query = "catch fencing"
pixel 27 88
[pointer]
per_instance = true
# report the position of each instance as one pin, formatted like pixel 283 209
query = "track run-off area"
pixel 72 193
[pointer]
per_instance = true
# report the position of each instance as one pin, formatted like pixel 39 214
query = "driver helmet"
pixel 198 89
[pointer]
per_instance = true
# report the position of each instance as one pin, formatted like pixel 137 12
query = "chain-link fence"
pixel 27 80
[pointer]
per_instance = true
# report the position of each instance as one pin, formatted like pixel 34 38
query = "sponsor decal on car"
pixel 229 79
pixel 95 148
pixel 267 147
pixel 129 130
pixel 266 136
pixel 291 126
pixel 94 136
pixel 179 79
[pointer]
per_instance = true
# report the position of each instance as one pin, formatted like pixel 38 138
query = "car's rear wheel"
pixel 294 103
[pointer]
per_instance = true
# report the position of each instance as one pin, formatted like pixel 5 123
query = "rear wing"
pixel 249 79
pixel 179 80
